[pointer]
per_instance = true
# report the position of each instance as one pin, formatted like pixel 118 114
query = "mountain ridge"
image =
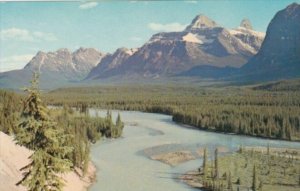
pixel 72 65
pixel 204 49
pixel 203 42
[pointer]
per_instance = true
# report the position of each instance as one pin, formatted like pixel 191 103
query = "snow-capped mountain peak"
pixel 201 21
pixel 246 24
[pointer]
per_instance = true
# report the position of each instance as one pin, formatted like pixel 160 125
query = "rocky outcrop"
pixel 73 66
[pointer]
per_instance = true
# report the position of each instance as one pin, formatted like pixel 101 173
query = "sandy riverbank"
pixel 174 158
pixel 13 157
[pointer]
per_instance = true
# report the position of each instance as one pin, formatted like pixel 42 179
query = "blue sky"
pixel 27 27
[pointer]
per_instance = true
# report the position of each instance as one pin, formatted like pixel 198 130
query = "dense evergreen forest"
pixel 60 137
pixel 240 110
pixel 83 128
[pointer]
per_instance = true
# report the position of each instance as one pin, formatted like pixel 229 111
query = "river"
pixel 122 164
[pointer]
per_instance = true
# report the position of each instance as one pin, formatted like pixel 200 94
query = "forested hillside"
pixel 238 110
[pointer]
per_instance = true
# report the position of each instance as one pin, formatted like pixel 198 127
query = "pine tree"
pixel 288 131
pixel 109 125
pixel 254 179
pixel 204 165
pixel 86 158
pixel 229 182
pixel 38 132
pixel 119 125
pixel 260 186
pixel 216 164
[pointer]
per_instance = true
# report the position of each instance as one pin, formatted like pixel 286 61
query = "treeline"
pixel 59 137
pixel 10 107
pixel 85 130
pixel 78 123
pixel 231 110
pixel 264 121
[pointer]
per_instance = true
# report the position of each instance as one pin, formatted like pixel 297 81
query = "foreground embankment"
pixel 13 157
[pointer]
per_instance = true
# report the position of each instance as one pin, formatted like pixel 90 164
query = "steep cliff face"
pixel 279 55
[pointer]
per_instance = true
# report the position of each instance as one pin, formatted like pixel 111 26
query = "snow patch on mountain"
pixel 242 30
pixel 191 38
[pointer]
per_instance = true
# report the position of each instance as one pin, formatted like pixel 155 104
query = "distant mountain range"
pixel 72 66
pixel 204 49
pixel 203 42
pixel 56 68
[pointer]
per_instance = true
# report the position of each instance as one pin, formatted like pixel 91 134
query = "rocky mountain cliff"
pixel 111 62
pixel 72 65
pixel 57 69
pixel 279 55
pixel 203 42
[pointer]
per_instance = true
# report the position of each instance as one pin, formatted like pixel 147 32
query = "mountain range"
pixel 56 68
pixel 204 49
pixel 203 42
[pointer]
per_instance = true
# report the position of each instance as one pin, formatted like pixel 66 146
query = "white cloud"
pixel 192 2
pixel 140 1
pixel 25 35
pixel 169 27
pixel 45 36
pixel 135 38
pixel 14 62
pixel 15 33
pixel 88 5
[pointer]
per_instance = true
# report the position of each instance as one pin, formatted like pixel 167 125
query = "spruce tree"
pixel 254 179
pixel 204 165
pixel 38 132
pixel 229 182
pixel 109 125
pixel 216 164
pixel 119 125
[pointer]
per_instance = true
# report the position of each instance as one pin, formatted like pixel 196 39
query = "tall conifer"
pixel 38 132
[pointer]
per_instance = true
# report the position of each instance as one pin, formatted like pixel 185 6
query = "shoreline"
pixel 198 128
pixel 76 182
pixel 188 179
pixel 92 175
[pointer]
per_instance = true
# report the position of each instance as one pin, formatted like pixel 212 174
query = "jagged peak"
pixel 202 21
pixel 246 23
pixel 125 50
pixel 82 49
pixel 122 49
pixel 39 53
pixel 63 50
pixel 292 9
